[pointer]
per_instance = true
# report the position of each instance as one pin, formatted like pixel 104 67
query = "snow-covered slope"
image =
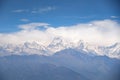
pixel 58 44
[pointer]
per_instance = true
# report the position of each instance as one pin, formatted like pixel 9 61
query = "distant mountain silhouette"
pixel 16 70
pixel 67 64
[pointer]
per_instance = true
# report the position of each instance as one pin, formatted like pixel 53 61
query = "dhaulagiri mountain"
pixel 58 44
pixel 59 60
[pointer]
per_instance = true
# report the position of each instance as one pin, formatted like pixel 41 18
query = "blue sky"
pixel 55 12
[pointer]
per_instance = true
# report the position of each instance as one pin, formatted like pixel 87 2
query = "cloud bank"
pixel 102 32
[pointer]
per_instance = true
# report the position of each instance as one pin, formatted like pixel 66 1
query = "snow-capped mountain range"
pixel 58 44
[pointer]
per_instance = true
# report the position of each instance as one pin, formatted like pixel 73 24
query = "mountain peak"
pixel 59 44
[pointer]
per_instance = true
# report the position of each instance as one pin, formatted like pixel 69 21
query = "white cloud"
pixel 32 26
pixel 43 10
pixel 19 11
pixel 24 20
pixel 35 10
pixel 115 17
pixel 97 32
